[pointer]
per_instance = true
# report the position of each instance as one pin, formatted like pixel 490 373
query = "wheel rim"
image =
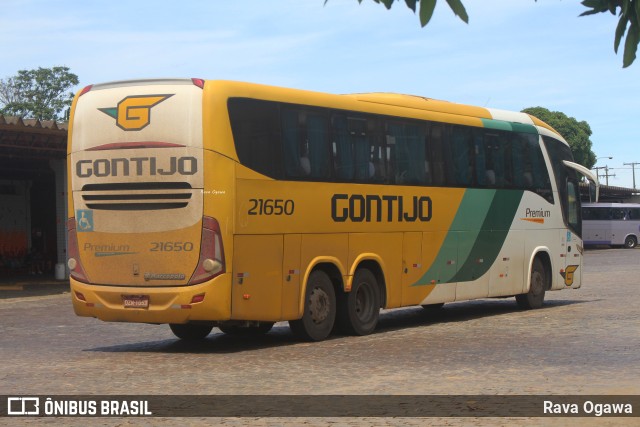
pixel 319 305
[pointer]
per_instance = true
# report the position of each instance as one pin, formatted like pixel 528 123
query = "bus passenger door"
pixel 257 277
pixel 291 276
pixel 572 273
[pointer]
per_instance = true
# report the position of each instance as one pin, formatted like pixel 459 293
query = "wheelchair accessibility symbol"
pixel 84 218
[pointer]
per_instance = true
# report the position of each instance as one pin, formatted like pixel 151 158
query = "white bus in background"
pixel 615 224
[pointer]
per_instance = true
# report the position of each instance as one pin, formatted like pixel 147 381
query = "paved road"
pixel 584 341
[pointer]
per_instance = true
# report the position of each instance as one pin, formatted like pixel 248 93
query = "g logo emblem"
pixel 568 274
pixel 134 112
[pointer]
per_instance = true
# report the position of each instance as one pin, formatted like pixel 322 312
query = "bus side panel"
pixel 292 278
pixel 475 284
pixel 412 269
pixel 257 277
pixel 509 270
pixel 440 256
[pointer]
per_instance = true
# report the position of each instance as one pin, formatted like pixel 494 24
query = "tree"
pixel 42 94
pixel 628 18
pixel 576 133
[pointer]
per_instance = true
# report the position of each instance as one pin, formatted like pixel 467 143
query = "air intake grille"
pixel 137 196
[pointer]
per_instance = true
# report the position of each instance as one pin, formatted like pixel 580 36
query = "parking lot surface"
pixel 582 342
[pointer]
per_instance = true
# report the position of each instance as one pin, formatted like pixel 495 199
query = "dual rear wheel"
pixel 354 312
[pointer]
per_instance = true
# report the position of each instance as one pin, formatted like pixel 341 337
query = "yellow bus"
pixel 204 204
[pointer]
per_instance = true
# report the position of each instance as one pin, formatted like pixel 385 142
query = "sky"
pixel 512 54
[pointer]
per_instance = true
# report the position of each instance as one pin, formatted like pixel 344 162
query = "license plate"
pixel 135 301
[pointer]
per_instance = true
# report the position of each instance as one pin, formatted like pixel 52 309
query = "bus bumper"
pixel 165 305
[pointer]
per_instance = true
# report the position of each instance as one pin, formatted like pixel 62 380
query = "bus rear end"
pixel 140 247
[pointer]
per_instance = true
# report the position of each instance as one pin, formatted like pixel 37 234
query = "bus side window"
pixel 634 214
pixel 436 155
pixel 617 214
pixel 480 160
pixel 492 160
pixel 408 140
pixel 462 156
pixel 254 125
pixel 540 175
pixel 518 152
pixel 498 152
pixel 343 156
pixel 359 138
pixel 414 140
pixel 378 152
pixel 295 165
pixel 317 145
pixel 602 214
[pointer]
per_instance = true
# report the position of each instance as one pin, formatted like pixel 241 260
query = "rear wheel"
pixel 630 242
pixel 359 310
pixel 535 297
pixel 191 331
pixel 319 309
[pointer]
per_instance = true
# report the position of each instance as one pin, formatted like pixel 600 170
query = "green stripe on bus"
pixel 524 128
pixel 496 124
pixel 509 126
pixel 491 237
pixel 468 222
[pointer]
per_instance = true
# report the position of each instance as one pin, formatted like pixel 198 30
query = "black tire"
pixel 191 331
pixel 359 310
pixel 261 329
pixel 630 242
pixel 539 284
pixel 319 309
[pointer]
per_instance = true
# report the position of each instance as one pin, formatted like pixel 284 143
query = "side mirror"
pixel 594 185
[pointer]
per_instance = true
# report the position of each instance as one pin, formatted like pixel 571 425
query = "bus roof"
pixel 490 117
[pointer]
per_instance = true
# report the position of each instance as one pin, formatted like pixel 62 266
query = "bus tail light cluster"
pixel 211 262
pixel 74 263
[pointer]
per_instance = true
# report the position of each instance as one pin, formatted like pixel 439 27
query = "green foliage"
pixel 628 18
pixel 42 94
pixel 627 22
pixel 574 132
pixel 426 8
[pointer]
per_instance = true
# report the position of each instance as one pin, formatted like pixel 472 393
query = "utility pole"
pixel 606 173
pixel 633 171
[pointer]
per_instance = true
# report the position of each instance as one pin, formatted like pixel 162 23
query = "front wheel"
pixel 535 297
pixel 630 242
pixel 359 309
pixel 191 331
pixel 319 309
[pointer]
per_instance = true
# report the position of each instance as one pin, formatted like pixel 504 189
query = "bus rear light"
pixel 80 296
pixel 198 82
pixel 211 262
pixel 74 263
